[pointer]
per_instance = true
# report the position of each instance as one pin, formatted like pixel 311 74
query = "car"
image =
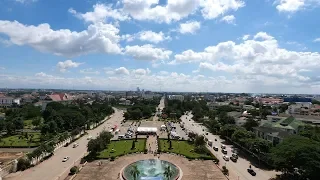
pixel 226 158
pixel 251 171
pixel 235 155
pixel 89 137
pixel 233 151
pixel 75 145
pixel 224 151
pixel 223 146
pixel 215 148
pixel 65 159
pixel 233 159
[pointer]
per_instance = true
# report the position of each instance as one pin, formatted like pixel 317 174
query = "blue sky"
pixel 269 46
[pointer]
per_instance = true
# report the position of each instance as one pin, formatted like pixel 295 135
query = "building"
pixel 176 97
pixel 58 97
pixel 6 101
pixel 297 100
pixel 275 136
pixel 304 109
pixel 287 124
pixel 270 101
pixel 248 107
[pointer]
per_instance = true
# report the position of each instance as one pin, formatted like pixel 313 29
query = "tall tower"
pixel 138 89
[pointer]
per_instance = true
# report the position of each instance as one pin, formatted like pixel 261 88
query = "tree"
pixel 225 171
pixel 23 164
pixel 297 153
pixel 36 121
pixel 133 145
pixel 250 123
pixel 168 172
pixel 135 172
pixel 199 141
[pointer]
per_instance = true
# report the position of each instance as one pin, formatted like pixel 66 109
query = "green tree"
pixel 250 124
pixel 168 172
pixel 199 141
pixel 36 121
pixel 297 153
pixel 135 172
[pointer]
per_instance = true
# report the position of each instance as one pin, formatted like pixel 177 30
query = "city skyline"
pixel 181 46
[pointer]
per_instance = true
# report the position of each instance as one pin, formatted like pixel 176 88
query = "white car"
pixel 89 137
pixel 65 159
pixel 75 145
pixel 226 158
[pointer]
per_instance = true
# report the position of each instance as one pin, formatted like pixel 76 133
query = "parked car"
pixel 251 171
pixel 89 137
pixel 233 159
pixel 215 148
pixel 65 159
pixel 224 151
pixel 235 155
pixel 226 158
pixel 75 145
pixel 233 151
pixel 223 146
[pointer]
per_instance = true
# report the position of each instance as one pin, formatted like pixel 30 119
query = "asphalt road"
pixel 53 168
pixel 238 170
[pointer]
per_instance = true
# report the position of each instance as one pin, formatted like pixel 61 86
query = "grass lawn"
pixel 14 141
pixel 122 147
pixel 184 148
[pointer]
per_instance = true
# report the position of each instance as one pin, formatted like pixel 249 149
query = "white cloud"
pixel 316 40
pixel 100 13
pixel 245 37
pixel 263 36
pixel 121 71
pixel 98 38
pixel 147 52
pixel 64 66
pixel 26 1
pixel 89 71
pixel 211 9
pixel 141 72
pixel 189 27
pixel 260 59
pixel 230 19
pixel 174 10
pixel 291 6
pixel 2 68
pixel 146 36
pixel 152 36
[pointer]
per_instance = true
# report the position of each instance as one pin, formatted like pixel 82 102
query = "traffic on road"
pixel 239 168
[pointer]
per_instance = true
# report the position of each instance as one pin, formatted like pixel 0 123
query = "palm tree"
pixel 135 172
pixel 168 173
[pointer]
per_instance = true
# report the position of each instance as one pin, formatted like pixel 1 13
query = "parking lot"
pixel 123 128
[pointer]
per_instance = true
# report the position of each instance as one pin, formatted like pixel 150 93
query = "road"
pixel 238 170
pixel 53 168
pixel 160 106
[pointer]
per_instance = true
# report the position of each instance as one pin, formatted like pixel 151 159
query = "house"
pixel 58 97
pixel 124 101
pixel 270 101
pixel 288 124
pixel 176 97
pixel 27 98
pixel 275 136
pixel 6 101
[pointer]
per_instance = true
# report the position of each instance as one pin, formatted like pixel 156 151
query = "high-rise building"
pixel 138 89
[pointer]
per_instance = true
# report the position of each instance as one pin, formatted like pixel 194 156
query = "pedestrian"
pixel 250 166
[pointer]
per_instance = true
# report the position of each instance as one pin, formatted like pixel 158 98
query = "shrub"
pixel 23 164
pixel 74 170
pixel 225 171
pixel 112 158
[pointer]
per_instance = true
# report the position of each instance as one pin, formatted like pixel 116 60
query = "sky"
pixel 251 46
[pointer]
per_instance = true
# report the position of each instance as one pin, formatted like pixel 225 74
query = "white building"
pixel 296 108
pixel 176 97
pixel 6 101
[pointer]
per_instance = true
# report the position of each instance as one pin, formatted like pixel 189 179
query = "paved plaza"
pixel 192 170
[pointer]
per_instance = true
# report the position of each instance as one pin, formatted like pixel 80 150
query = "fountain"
pixel 151 169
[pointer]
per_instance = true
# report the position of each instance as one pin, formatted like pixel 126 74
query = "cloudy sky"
pixel 269 46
